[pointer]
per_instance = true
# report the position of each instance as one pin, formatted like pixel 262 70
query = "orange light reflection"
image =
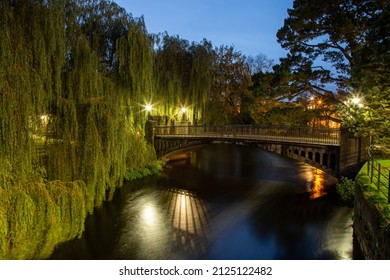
pixel 318 184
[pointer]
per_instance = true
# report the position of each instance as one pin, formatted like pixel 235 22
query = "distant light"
pixel 148 107
pixel 356 100
pixel 183 109
pixel 44 119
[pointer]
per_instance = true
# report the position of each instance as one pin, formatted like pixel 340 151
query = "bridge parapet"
pixel 321 136
pixel 332 150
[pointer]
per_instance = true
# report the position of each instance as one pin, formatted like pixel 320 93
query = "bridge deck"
pixel 298 135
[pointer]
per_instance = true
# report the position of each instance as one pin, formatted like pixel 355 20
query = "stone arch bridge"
pixel 332 150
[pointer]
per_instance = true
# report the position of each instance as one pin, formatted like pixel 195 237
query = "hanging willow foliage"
pixel 69 128
pixel 183 77
pixel 135 68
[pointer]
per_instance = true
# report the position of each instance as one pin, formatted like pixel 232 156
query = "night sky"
pixel 248 25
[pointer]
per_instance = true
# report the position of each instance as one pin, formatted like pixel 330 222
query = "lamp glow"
pixel 356 100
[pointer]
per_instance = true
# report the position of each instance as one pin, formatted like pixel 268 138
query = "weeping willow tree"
pixel 135 68
pixel 171 74
pixel 69 130
pixel 31 64
pixel 34 214
pixel 183 77
pixel 201 80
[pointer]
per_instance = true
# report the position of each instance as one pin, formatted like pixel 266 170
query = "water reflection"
pixel 165 223
pixel 188 215
pixel 317 181
pixel 318 188
pixel 226 202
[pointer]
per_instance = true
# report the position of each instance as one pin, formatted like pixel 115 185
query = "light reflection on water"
pixel 318 188
pixel 189 220
pixel 163 224
pixel 226 202
pixel 318 182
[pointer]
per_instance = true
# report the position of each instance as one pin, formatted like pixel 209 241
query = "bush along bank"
pixel 36 214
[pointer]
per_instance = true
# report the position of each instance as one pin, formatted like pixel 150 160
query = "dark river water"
pixel 224 202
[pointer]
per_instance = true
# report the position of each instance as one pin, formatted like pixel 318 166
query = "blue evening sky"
pixel 248 25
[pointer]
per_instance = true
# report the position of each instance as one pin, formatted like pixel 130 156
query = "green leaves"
pixel 328 31
pixel 67 125
pixel 346 190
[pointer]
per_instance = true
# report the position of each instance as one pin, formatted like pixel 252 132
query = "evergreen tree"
pixel 352 37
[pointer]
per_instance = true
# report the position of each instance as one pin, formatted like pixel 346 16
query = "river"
pixel 224 202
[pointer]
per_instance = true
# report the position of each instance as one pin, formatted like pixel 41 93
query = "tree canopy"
pixel 344 43
pixel 324 39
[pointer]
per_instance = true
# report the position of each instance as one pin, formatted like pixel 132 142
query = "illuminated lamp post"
pixel 149 125
pixel 182 112
pixel 148 109
pixel 357 102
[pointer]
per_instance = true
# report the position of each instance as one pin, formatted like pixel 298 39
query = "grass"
pixel 385 163
pixel 373 193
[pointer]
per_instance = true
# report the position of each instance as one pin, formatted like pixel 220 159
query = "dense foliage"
pixel 75 77
pixel 72 74
pixel 230 96
pixel 183 78
pixel 344 43
pixel 345 189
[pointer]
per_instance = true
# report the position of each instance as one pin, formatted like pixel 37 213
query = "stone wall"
pixel 371 229
pixel 353 150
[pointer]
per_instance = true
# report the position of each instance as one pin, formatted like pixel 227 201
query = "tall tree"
pixel 323 38
pixel 259 64
pixel 200 77
pixel 69 72
pixel 371 81
pixel 345 43
pixel 183 74
pixel 230 96
pixel 172 69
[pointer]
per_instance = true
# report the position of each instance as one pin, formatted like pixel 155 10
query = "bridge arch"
pixel 331 150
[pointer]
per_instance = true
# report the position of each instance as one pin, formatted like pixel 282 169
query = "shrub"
pixel 346 190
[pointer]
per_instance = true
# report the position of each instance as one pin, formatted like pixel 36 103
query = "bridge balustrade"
pixel 326 136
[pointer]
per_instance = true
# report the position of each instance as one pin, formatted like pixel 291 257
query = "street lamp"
pixel 356 101
pixel 148 108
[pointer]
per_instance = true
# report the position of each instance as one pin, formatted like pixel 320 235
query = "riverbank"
pixel 371 219
pixel 37 215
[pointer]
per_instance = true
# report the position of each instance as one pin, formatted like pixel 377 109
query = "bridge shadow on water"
pixel 240 204
pixel 189 220
pixel 282 209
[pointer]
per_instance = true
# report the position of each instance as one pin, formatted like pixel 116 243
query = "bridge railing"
pixel 329 136
pixel 380 176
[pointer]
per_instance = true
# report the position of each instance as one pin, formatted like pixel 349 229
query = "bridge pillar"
pixel 149 134
pixel 353 150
